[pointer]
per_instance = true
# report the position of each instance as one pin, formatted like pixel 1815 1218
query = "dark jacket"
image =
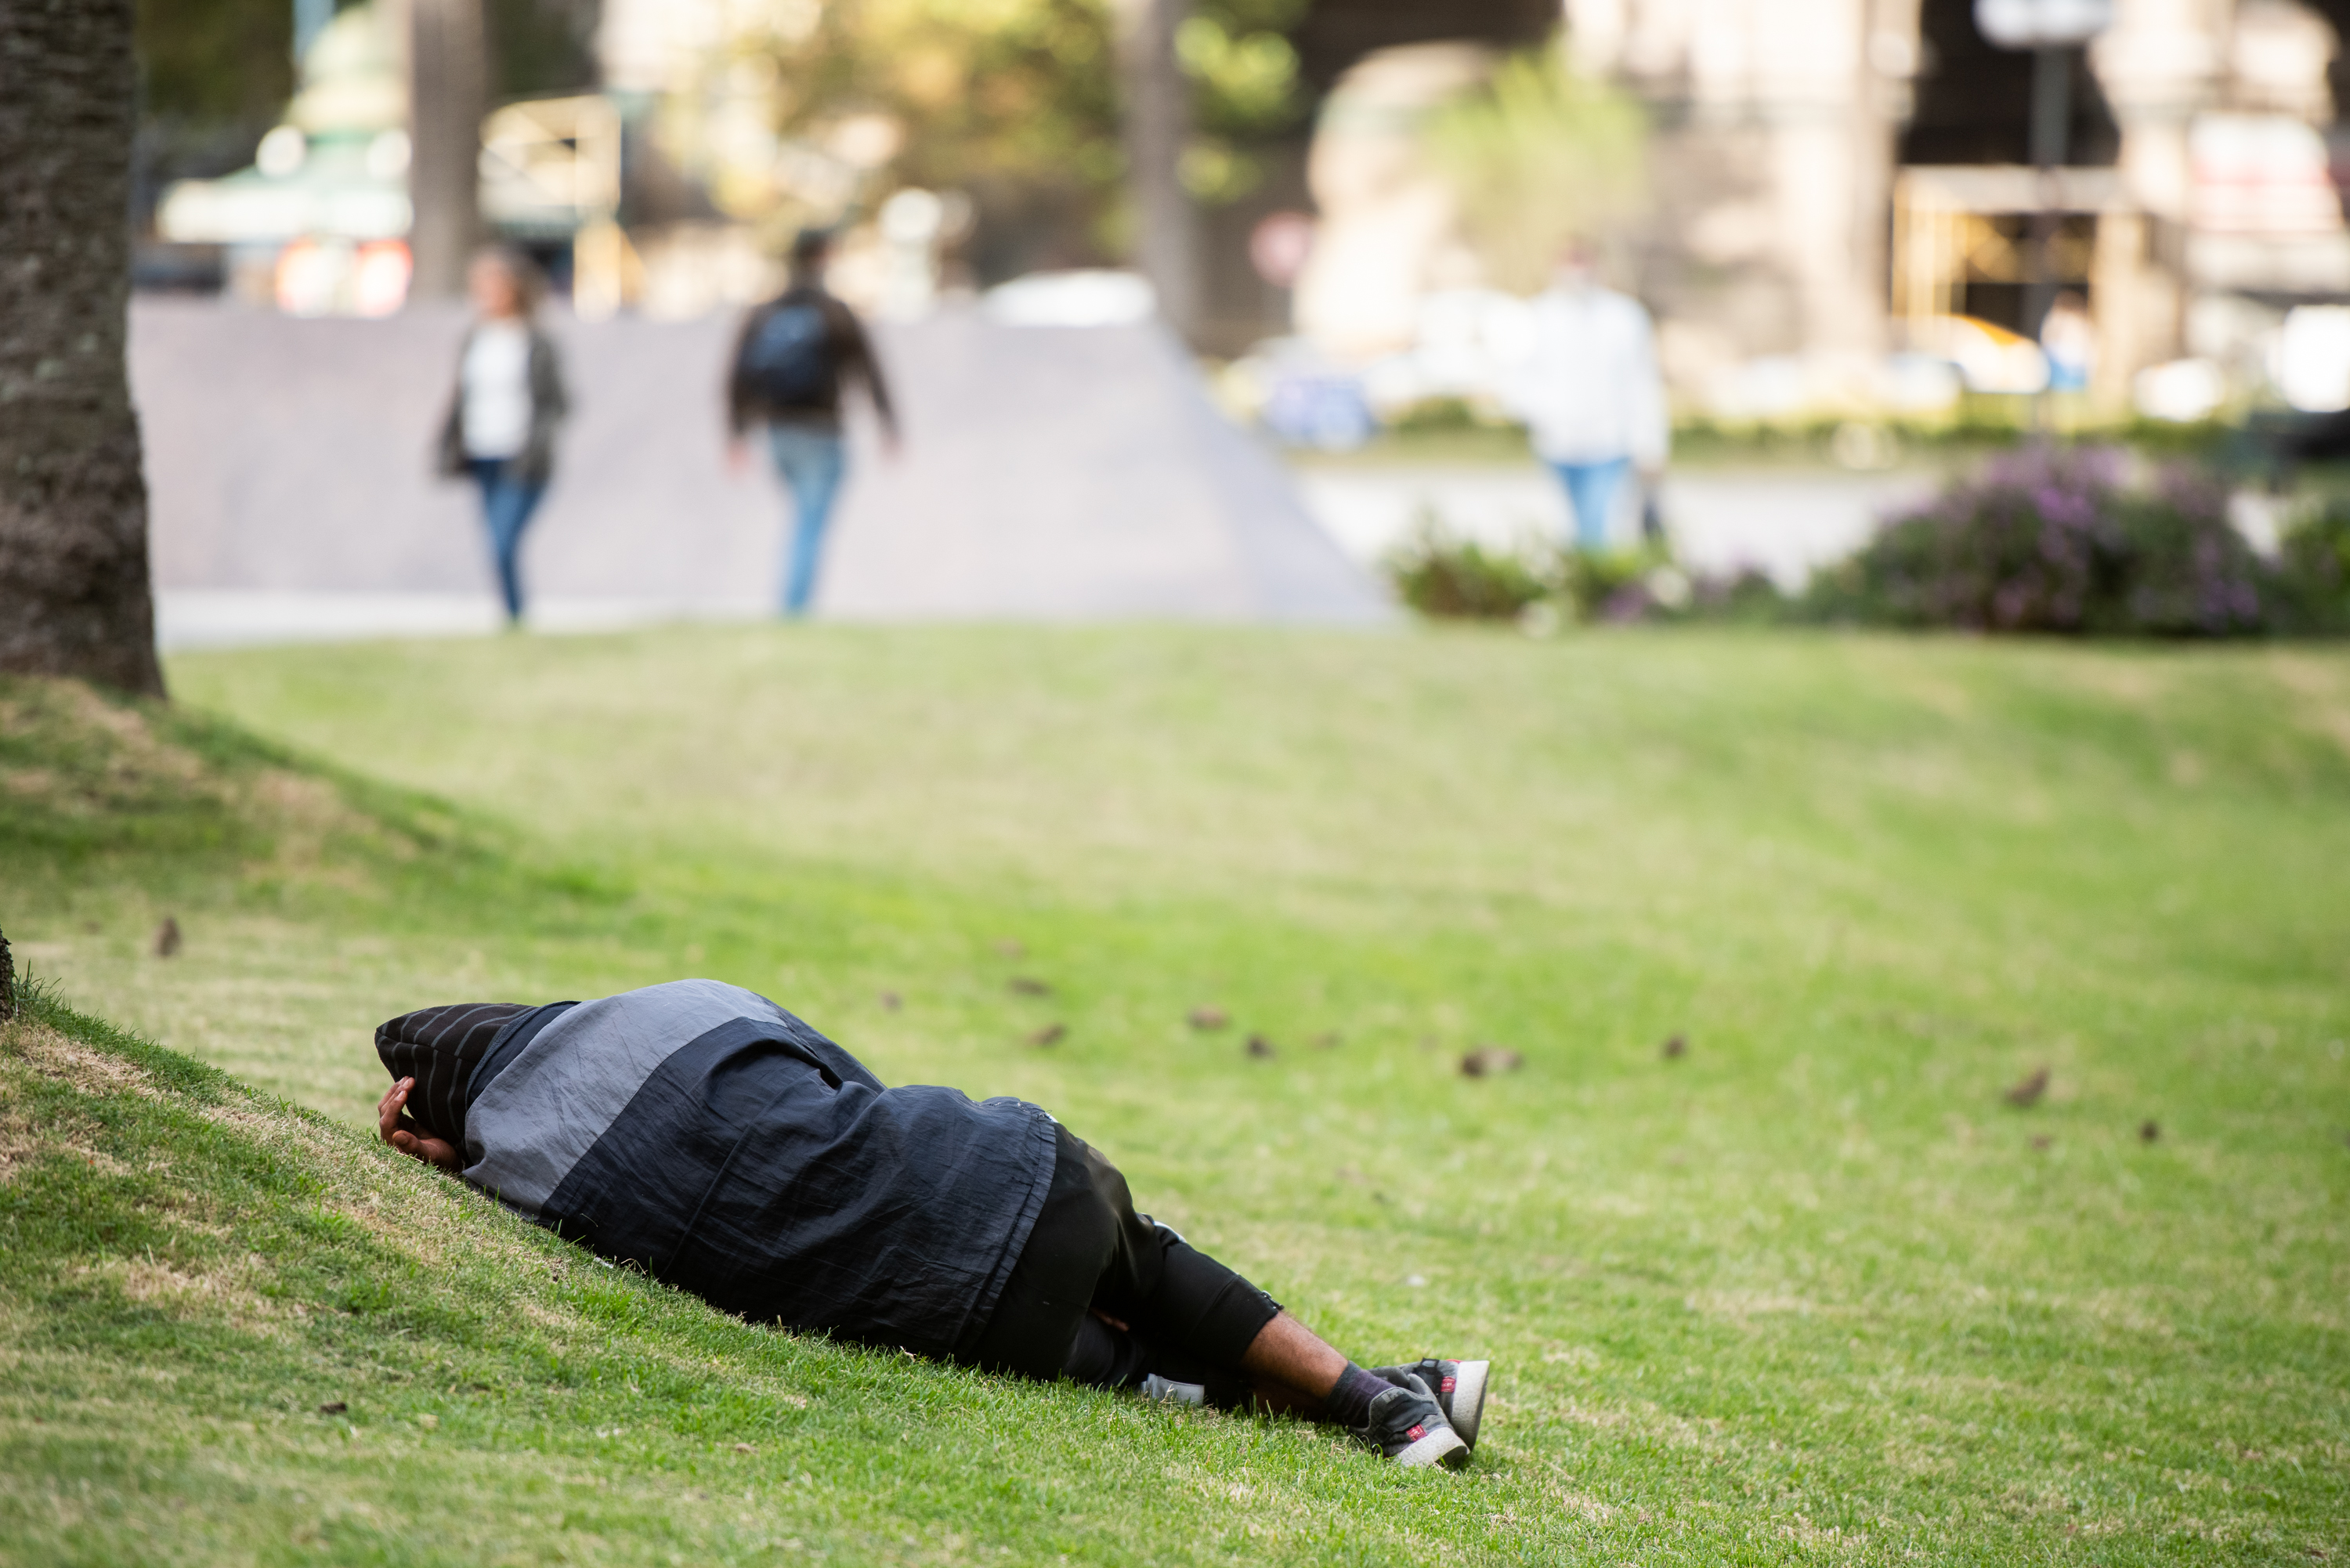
pixel 848 350
pixel 549 402
pixel 702 1132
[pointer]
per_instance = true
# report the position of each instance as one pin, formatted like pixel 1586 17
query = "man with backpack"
pixel 795 354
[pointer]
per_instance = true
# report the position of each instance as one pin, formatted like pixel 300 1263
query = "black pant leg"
pixel 1190 1318
pixel 1170 1290
pixel 1046 1297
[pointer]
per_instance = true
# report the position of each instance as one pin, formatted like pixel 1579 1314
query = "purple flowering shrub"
pixel 2058 540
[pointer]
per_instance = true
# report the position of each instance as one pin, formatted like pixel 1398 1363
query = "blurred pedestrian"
pixel 509 402
pixel 795 356
pixel 1589 392
pixel 2069 337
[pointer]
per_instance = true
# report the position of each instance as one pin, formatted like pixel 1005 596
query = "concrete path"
pixel 1048 473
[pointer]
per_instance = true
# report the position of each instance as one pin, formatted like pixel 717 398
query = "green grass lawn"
pixel 1812 1290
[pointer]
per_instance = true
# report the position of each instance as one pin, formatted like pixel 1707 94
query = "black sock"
pixel 1349 1403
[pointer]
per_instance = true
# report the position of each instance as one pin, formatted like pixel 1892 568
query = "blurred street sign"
pixel 2042 24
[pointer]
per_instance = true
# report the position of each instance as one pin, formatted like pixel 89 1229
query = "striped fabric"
pixel 704 1134
pixel 440 1047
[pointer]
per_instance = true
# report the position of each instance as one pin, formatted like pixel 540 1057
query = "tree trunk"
pixel 74 597
pixel 1157 125
pixel 448 94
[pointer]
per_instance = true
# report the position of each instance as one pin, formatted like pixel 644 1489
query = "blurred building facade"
pixel 1839 176
pixel 1836 183
pixel 1841 183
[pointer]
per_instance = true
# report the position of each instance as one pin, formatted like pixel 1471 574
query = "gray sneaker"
pixel 1407 1426
pixel 1459 1388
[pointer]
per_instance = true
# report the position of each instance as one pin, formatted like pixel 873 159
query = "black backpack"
pixel 788 359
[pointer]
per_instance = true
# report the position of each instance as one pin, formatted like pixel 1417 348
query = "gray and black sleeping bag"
pixel 706 1134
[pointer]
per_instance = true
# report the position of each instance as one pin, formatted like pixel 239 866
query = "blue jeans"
pixel 506 505
pixel 1591 491
pixel 811 461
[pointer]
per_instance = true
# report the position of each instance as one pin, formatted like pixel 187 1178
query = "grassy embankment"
pixel 1810 1291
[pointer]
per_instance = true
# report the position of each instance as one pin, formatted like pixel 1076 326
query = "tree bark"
pixel 448 94
pixel 1157 124
pixel 74 592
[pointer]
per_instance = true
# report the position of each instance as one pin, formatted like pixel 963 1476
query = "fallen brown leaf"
pixel 1049 1035
pixel 167 938
pixel 2026 1092
pixel 1027 985
pixel 1258 1045
pixel 1676 1047
pixel 1207 1018
pixel 1490 1061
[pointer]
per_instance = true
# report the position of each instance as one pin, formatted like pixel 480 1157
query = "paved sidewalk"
pixel 1047 474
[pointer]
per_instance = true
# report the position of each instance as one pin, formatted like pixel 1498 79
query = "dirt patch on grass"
pixel 217 1287
pixel 2324 688
pixel 95 755
pixel 2131 683
pixel 305 816
pixel 53 1056
pixel 19 1144
pixel 79 769
pixel 35 1048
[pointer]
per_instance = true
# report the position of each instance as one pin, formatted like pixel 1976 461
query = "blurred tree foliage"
pixel 541 47
pixel 1245 89
pixel 215 61
pixel 231 62
pixel 1538 155
pixel 1016 103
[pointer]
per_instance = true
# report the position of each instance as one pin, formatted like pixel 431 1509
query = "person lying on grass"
pixel 702 1132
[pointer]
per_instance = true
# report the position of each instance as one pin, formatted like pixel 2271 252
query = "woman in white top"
pixel 509 400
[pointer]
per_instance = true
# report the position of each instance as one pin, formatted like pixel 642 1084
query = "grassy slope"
pixel 1810 1290
pixel 238 1331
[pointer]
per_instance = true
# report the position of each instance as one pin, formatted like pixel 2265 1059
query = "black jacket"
pixel 703 1133
pixel 847 346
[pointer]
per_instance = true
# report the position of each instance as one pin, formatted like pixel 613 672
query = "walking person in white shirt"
pixel 509 400
pixel 1589 392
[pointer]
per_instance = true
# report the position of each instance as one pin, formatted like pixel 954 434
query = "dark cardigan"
pixel 549 402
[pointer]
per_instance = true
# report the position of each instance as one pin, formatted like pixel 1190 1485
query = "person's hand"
pixel 410 1139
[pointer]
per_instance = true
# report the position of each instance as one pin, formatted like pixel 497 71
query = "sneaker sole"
pixel 1442 1446
pixel 1469 1379
pixel 1166 1391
